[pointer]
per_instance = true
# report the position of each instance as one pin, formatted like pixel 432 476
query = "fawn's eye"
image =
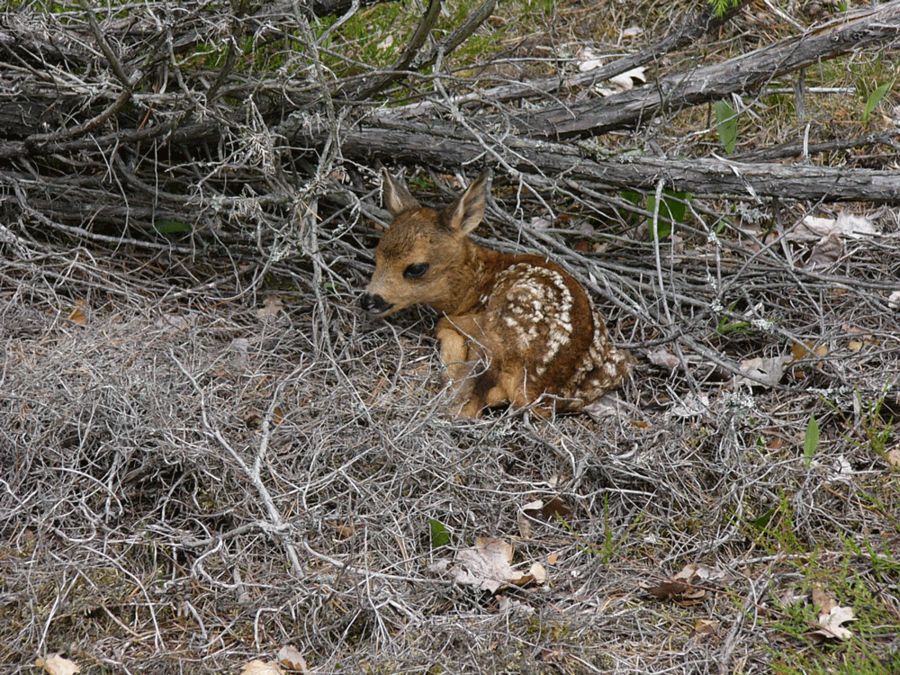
pixel 416 271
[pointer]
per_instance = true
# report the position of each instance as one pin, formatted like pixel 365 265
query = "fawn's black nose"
pixel 374 304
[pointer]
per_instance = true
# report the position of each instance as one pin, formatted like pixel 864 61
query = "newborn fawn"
pixel 514 328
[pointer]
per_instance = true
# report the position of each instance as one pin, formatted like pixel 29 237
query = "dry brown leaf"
pixel 663 358
pixel 272 306
pixel 821 600
pixel 826 252
pixel 846 225
pixel 830 623
pixel 690 405
pixel 538 572
pixel 79 312
pixel 685 584
pixel 552 558
pixel 258 667
pixel 766 372
pixel 800 350
pixel 706 627
pixel 854 345
pixel 344 530
pixel 831 616
pixel 679 590
pixel 893 457
pixel 539 509
pixel 277 415
pixel 894 300
pixel 524 523
pixel 57 664
pixel 289 657
pixel 486 565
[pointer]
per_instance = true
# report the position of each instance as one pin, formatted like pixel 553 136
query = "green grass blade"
pixel 726 126
pixel 439 534
pixel 811 442
pixel 874 99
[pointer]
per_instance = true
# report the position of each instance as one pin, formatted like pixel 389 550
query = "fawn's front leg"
pixel 461 354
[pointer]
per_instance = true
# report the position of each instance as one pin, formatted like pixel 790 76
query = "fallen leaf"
pixel 765 372
pixel 507 604
pixel 538 572
pixel 894 300
pixel 854 345
pixel 691 405
pixel 289 657
pixel 553 557
pixel 841 471
pixel 684 585
pixel 893 457
pixel 387 42
pixel 827 251
pixel 706 627
pixel 830 623
pixel 607 405
pixel 272 305
pixel 540 223
pixel 583 246
pixel 588 60
pixel 800 350
pixel 258 667
pixel 845 224
pixel 629 79
pixel 79 313
pixel 663 358
pixel 277 415
pixel 680 590
pixel 487 566
pixel 343 530
pixel 57 664
pixel 821 600
pixel 548 510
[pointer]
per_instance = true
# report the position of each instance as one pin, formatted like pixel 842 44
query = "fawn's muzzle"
pixel 374 304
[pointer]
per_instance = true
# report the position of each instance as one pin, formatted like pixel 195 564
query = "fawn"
pixel 514 327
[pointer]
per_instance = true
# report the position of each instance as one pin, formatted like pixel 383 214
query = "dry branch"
pixel 448 147
pixel 745 73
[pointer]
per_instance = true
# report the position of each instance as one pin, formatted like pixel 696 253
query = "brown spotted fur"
pixel 513 327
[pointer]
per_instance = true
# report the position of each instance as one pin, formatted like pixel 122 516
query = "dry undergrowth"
pixel 203 459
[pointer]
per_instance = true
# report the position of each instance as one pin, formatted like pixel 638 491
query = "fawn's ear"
pixel 396 195
pixel 467 212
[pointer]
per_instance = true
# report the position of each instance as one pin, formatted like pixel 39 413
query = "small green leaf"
pixel 632 196
pixel 762 522
pixel 171 226
pixel 811 443
pixel 874 99
pixel 439 534
pixel 673 209
pixel 727 326
pixel 726 125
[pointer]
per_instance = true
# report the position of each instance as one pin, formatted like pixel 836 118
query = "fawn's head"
pixel 421 258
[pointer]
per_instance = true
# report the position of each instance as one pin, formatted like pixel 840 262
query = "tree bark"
pixel 445 147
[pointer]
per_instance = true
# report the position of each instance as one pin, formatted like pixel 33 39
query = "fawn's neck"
pixel 474 279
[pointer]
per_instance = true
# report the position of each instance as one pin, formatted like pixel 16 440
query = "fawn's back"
pixel 514 327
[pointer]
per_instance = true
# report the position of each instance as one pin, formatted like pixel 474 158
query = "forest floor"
pixel 196 470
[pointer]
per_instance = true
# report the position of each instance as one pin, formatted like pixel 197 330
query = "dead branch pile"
pixel 206 453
